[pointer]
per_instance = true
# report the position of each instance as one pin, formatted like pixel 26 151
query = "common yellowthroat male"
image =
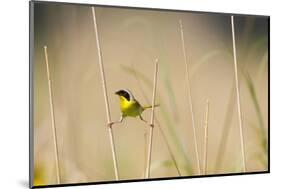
pixel 129 106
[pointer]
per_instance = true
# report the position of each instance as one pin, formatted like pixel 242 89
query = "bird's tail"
pixel 148 107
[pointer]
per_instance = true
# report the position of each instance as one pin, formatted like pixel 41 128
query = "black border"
pixel 31 135
pixel 151 179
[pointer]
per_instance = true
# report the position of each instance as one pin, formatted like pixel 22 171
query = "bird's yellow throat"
pixel 130 108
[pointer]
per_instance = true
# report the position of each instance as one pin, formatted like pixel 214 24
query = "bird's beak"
pixel 117 93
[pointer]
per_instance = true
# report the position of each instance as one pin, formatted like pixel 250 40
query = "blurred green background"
pixel 130 41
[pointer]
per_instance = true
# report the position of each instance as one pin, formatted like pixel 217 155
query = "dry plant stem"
pixel 52 117
pixel 145 153
pixel 190 99
pixel 226 124
pixel 109 123
pixel 147 173
pixel 238 95
pixel 229 112
pixel 205 163
pixel 158 123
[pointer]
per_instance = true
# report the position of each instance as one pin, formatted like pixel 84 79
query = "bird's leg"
pixel 142 119
pixel 119 121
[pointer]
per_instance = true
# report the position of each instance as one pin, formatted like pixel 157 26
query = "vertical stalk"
pixel 147 173
pixel 109 122
pixel 145 154
pixel 238 95
pixel 190 99
pixel 160 127
pixel 205 163
pixel 52 117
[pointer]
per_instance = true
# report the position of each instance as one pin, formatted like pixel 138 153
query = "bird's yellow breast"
pixel 130 108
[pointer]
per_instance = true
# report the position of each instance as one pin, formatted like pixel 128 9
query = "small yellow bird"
pixel 130 106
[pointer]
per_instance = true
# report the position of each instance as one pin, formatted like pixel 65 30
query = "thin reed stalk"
pixel 103 78
pixel 205 162
pixel 238 95
pixel 190 98
pixel 157 123
pixel 147 173
pixel 54 131
pixel 231 102
pixel 145 152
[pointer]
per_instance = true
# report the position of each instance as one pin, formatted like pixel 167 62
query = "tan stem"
pixel 103 79
pixel 205 163
pixel 160 127
pixel 58 175
pixel 147 173
pixel 190 98
pixel 238 95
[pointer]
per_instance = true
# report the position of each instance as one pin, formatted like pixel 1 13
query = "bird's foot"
pixel 115 122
